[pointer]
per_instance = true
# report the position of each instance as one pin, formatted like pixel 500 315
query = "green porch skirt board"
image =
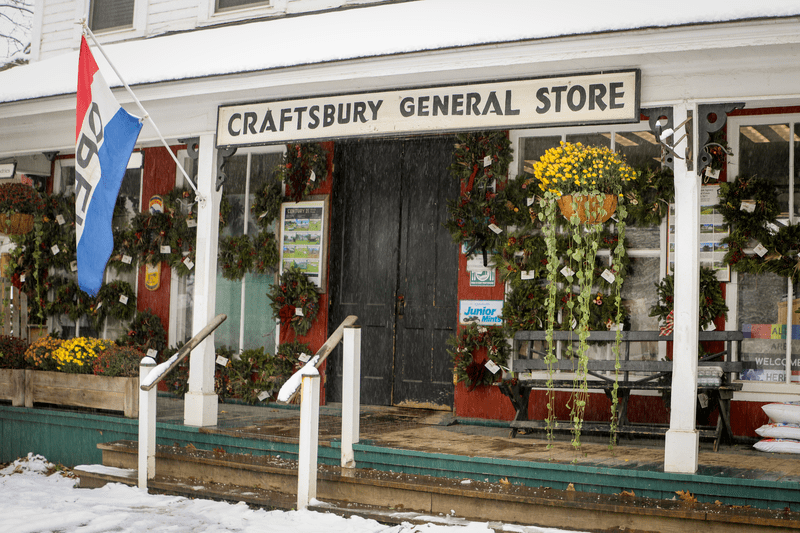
pixel 71 438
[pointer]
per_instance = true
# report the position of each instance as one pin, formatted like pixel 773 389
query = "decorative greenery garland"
pixel 303 168
pixel 473 372
pixel 294 299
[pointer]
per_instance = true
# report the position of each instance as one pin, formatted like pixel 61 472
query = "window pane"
pixel 591 139
pixel 764 152
pixel 236 171
pixel 262 167
pixel 533 148
pixel 128 201
pixel 641 150
pixel 107 14
pixel 228 4
pixel 229 301
pixel 259 324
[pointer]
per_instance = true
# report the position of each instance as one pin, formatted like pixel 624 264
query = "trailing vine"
pixel 463 350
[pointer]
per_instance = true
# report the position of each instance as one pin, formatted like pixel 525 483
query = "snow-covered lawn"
pixel 37 497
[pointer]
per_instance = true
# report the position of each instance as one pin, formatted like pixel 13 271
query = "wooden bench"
pixel 653 375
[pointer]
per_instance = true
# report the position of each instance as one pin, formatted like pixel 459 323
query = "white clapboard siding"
pixel 58 27
pixel 171 15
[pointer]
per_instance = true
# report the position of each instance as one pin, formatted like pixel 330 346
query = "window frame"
pixel 136 29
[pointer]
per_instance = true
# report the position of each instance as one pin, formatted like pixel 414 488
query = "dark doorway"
pixel 395 267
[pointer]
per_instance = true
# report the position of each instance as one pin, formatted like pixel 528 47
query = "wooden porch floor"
pixel 438 432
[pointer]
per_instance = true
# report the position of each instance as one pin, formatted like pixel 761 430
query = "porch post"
pixel 200 403
pixel 682 440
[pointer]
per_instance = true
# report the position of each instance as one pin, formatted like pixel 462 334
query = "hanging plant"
pixel 294 299
pixel 19 204
pixel 480 163
pixel 303 168
pixel 600 176
pixel 116 300
pixel 468 365
pixel 712 303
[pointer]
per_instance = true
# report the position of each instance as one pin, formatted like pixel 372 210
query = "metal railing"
pixel 149 376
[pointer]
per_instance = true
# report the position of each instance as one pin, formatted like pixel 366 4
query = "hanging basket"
pixel 589 207
pixel 16 224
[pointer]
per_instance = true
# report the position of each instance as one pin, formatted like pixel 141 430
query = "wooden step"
pixel 271 482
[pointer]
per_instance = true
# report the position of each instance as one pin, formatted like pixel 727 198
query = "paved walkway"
pixel 440 432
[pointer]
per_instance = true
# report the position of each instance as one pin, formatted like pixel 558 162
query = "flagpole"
pixel 86 30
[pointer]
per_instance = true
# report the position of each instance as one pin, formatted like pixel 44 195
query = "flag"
pixel 105 135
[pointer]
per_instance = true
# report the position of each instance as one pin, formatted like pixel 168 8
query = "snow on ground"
pixel 37 497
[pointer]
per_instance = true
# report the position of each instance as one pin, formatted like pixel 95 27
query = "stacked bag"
pixel 782 434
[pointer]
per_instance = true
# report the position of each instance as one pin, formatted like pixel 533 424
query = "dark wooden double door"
pixel 395 267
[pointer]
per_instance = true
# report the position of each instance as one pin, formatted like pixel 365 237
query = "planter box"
pixel 12 386
pixel 83 390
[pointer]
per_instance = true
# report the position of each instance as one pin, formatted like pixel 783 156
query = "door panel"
pixel 428 277
pixel 389 201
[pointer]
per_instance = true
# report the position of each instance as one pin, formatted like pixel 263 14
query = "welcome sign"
pixel 601 98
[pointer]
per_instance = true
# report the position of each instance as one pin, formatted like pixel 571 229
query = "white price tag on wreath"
pixel 222 361
pixel 492 366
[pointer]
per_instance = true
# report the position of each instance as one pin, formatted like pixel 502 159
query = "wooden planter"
pixel 16 224
pixel 83 390
pixel 588 208
pixel 12 386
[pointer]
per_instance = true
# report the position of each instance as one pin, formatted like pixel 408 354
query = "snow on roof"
pixel 380 30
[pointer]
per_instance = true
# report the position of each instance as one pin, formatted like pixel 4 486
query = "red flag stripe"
pixel 86 70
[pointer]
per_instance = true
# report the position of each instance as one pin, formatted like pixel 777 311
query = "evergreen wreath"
pixel 109 302
pixel 648 197
pixel 480 159
pixel 146 331
pixel 749 205
pixel 69 300
pixel 468 369
pixel 712 303
pixel 524 307
pixel 267 257
pixel 236 256
pixel 293 292
pixel 266 207
pixel 303 168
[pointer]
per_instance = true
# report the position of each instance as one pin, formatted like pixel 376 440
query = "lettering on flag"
pixel 105 135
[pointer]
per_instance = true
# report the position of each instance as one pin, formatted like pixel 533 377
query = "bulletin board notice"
pixel 302 240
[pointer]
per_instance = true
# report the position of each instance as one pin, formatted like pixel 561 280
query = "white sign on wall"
pixel 483 312
pixel 602 98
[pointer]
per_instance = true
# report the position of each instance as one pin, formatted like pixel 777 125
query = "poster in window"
pixel 713 230
pixel 302 239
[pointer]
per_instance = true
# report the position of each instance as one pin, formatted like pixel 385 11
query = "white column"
pixel 682 440
pixel 200 403
pixel 351 392
pixel 147 426
pixel 309 439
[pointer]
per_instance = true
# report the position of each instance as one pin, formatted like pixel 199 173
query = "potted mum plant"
pixel 19 203
pixel 587 185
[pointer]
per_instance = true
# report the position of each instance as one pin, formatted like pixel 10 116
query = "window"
pixel 111 14
pixel 767 146
pixel 231 4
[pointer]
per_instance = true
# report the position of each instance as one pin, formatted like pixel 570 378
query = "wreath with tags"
pixel 480 163
pixel 749 205
pixel 467 367
pixel 242 254
pixel 303 168
pixel 117 300
pixel 294 300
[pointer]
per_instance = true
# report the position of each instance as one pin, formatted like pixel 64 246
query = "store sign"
pixel 7 170
pixel 483 312
pixel 604 98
